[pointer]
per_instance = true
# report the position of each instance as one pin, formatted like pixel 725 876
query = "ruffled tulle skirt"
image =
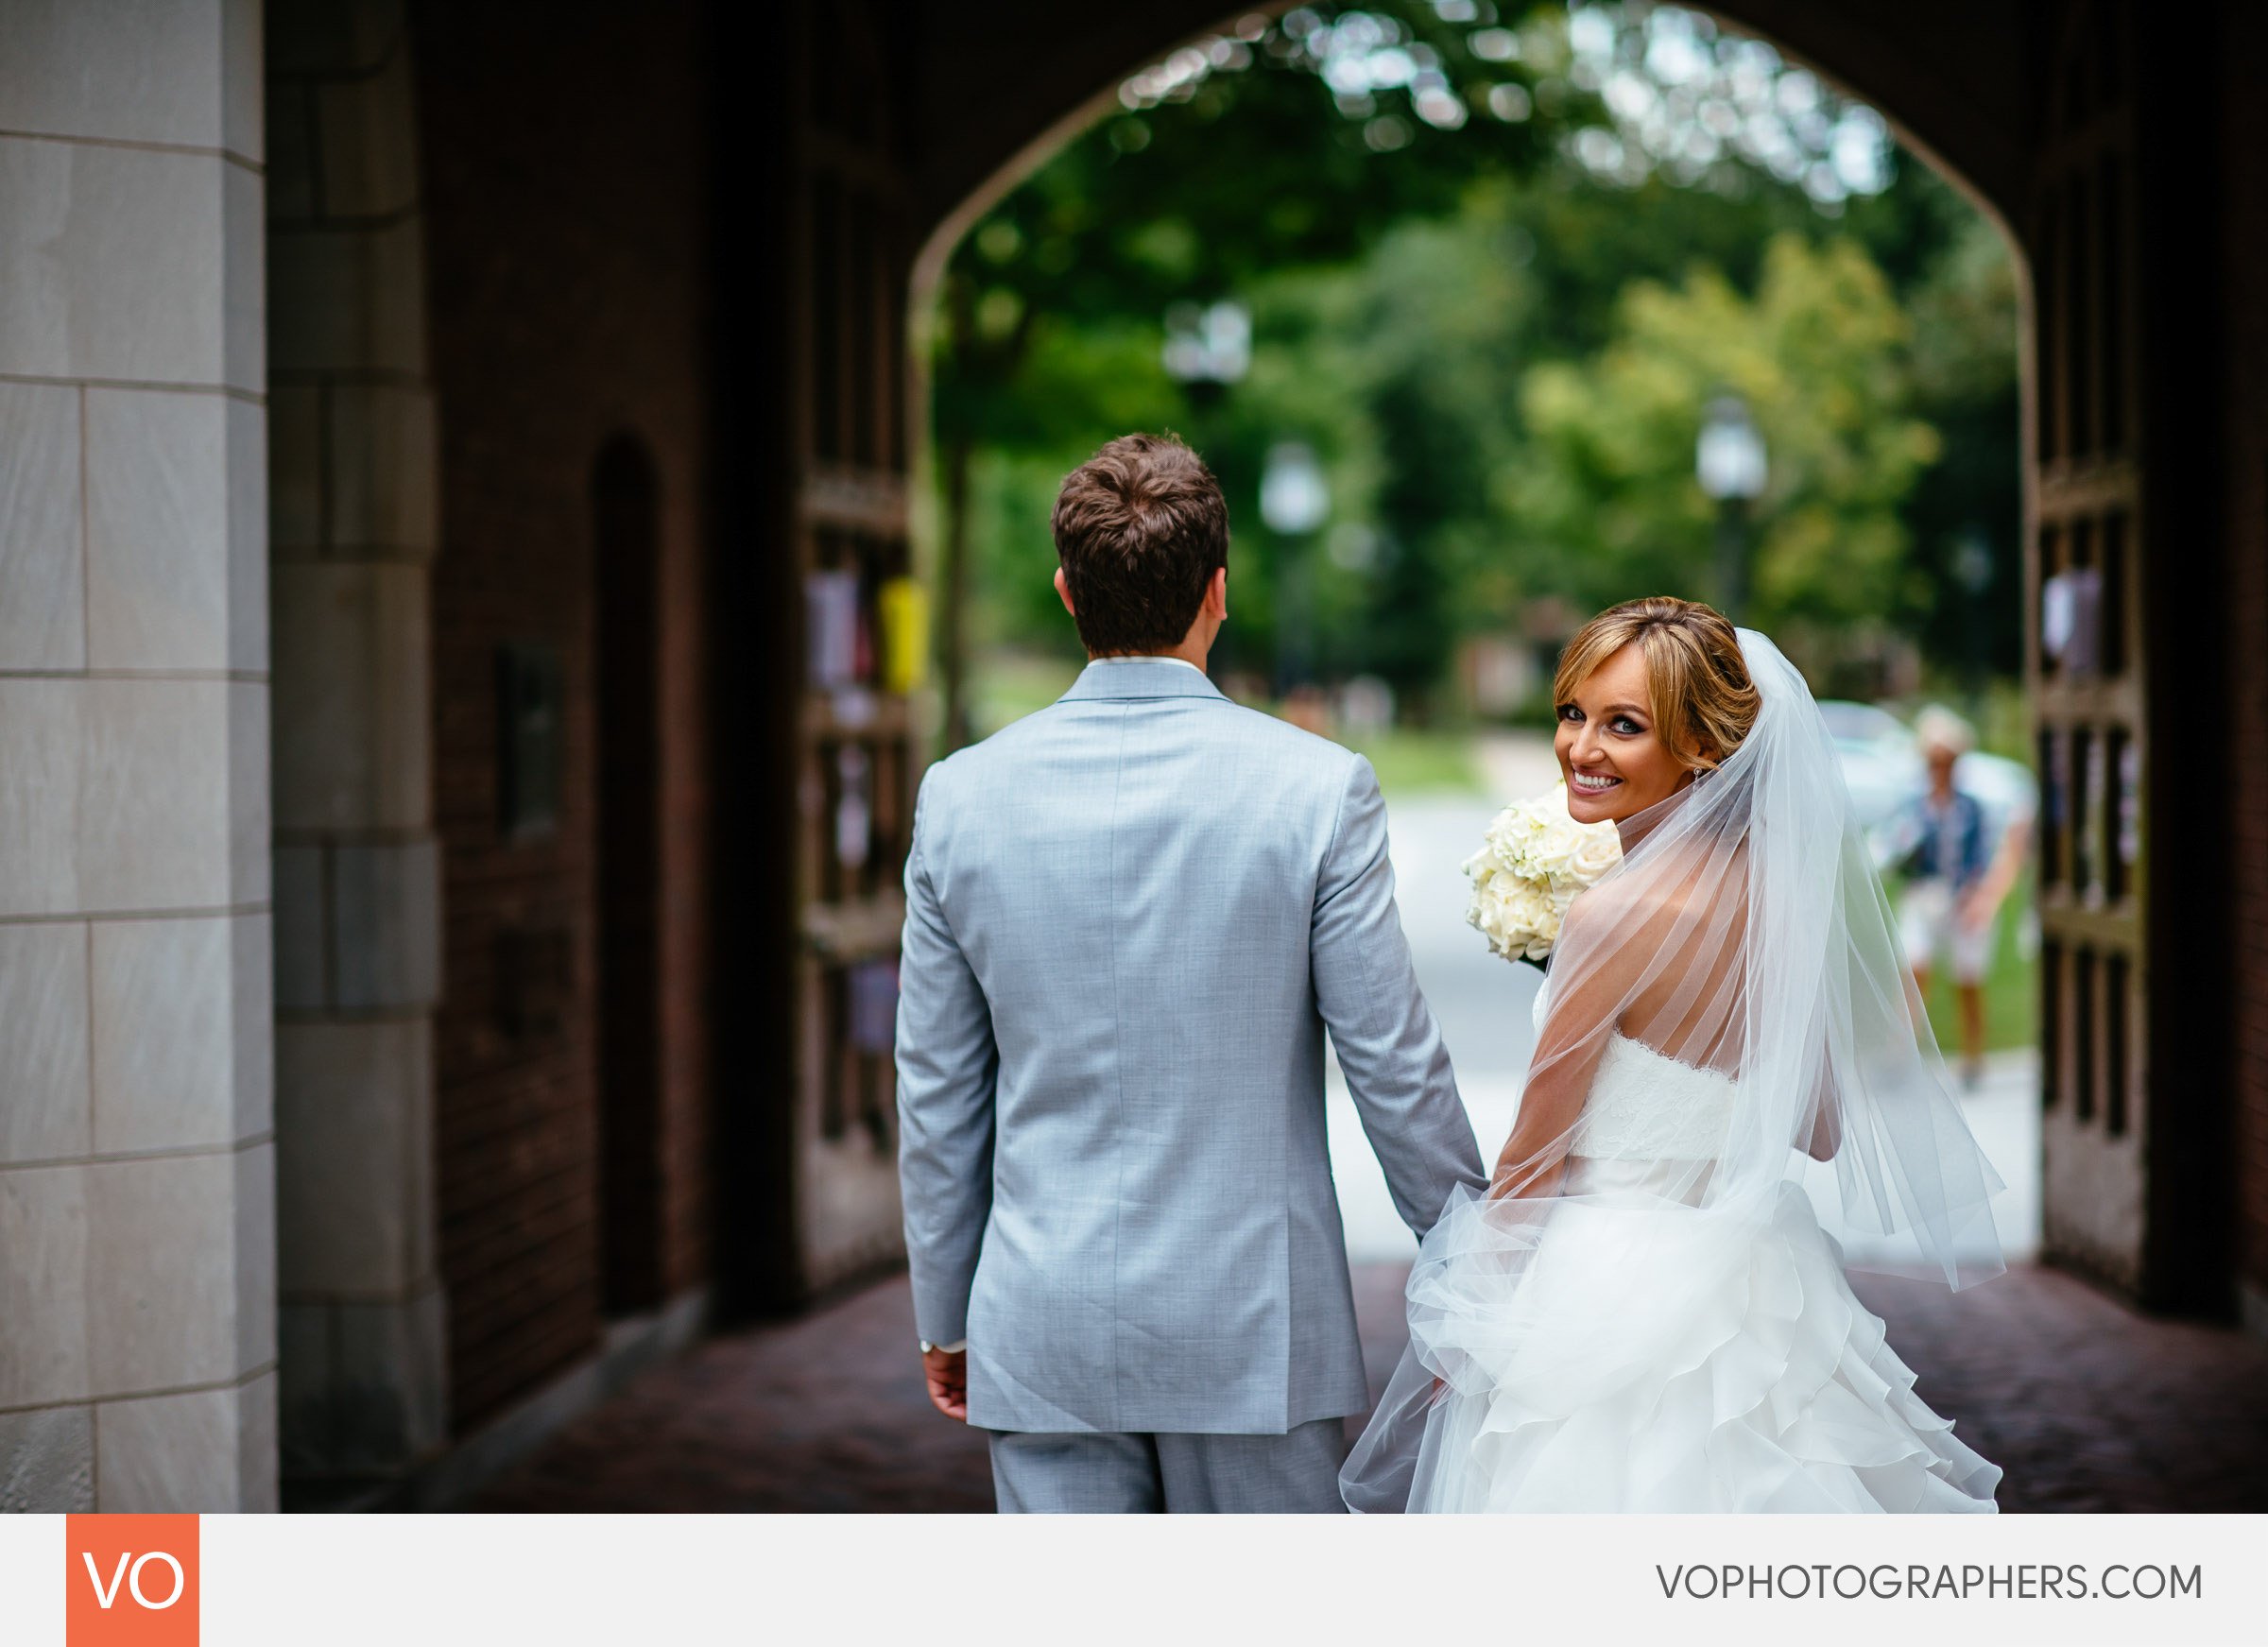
pixel 1619 1351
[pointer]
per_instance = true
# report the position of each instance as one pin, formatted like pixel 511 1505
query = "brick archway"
pixel 2068 127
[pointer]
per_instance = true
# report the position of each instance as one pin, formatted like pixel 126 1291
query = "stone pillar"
pixel 137 1279
pixel 357 872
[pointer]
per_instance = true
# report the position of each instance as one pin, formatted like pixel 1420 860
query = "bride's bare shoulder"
pixel 1670 888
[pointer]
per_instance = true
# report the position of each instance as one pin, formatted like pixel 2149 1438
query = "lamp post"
pixel 1972 573
pixel 1207 349
pixel 1295 500
pixel 1730 461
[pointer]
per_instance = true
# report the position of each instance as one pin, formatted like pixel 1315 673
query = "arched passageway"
pixel 2055 125
pixel 2045 122
pixel 294 476
pixel 837 201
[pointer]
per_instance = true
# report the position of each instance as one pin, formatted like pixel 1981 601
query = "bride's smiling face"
pixel 1610 752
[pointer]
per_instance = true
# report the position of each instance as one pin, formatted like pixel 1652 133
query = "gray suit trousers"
pixel 1100 1472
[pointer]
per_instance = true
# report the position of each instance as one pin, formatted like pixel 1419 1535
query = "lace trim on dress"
pixel 1647 1105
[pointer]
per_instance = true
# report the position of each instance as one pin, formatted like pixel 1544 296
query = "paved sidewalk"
pixel 2084 1404
pixel 825 1413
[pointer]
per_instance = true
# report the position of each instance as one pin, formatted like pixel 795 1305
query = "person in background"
pixel 1958 876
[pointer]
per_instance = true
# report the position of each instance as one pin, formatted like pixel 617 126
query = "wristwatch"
pixel 955 1347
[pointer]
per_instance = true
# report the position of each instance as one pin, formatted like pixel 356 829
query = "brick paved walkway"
pixel 2086 1405
pixel 825 1413
pixel 2083 1403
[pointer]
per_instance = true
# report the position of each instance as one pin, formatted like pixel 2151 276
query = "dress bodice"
pixel 1645 1106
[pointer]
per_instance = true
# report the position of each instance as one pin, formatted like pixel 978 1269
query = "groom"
pixel 1129 919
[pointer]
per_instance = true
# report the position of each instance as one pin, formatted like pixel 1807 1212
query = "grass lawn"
pixel 1411 762
pixel 1006 686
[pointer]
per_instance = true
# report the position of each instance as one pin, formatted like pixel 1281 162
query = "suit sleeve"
pixel 1388 1045
pixel 947 1066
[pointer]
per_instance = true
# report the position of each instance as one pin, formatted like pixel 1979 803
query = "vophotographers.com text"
pixel 2022 1582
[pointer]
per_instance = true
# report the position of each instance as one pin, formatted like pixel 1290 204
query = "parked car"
pixel 1886 774
pixel 1880 765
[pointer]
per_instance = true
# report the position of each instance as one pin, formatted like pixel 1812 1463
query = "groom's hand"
pixel 947 1374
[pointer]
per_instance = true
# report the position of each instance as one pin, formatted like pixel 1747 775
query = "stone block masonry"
pixel 354 527
pixel 137 1176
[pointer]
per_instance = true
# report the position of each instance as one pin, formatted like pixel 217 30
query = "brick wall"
pixel 562 151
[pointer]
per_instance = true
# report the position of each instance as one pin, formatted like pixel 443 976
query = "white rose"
pixel 1517 915
pixel 1489 911
pixel 1509 832
pixel 1600 851
pixel 1533 860
pixel 1529 919
pixel 1506 901
pixel 1546 936
pixel 1477 909
pixel 1556 844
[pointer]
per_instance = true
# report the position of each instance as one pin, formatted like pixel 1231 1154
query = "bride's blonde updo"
pixel 1697 681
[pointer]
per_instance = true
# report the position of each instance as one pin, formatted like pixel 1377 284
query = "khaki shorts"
pixel 1933 935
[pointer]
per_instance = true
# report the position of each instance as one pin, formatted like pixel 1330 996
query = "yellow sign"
pixel 905 610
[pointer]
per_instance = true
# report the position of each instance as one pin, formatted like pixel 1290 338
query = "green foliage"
pixel 1605 499
pixel 1010 499
pixel 1964 515
pixel 1402 370
pixel 1260 169
pixel 1498 351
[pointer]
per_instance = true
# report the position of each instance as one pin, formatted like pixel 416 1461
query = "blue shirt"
pixel 1951 844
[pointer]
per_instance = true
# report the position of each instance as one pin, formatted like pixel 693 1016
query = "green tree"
pixel 1603 504
pixel 1964 515
pixel 1403 370
pixel 1248 153
pixel 1412 274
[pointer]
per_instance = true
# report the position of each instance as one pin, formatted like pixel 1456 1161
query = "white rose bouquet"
pixel 1536 859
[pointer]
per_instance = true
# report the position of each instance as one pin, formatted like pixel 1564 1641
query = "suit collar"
pixel 1140 677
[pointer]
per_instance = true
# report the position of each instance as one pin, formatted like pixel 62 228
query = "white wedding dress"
pixel 1644 1313
pixel 1664 1363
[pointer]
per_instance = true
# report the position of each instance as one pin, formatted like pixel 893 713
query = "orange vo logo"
pixel 130 1580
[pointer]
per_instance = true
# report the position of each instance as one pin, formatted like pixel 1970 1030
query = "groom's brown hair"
pixel 1141 528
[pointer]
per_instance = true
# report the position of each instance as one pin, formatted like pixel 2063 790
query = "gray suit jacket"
pixel 1129 918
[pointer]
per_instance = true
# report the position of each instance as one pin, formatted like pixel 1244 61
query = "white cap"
pixel 1938 727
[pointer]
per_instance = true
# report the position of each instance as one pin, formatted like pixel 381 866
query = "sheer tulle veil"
pixel 1744 934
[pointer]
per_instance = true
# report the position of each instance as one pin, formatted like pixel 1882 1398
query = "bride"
pixel 1643 1314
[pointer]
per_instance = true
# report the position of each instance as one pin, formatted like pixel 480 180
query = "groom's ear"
pixel 1064 590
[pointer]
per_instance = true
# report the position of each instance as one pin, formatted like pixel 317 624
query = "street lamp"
pixel 1294 497
pixel 1972 573
pixel 1295 500
pixel 1730 461
pixel 1207 349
